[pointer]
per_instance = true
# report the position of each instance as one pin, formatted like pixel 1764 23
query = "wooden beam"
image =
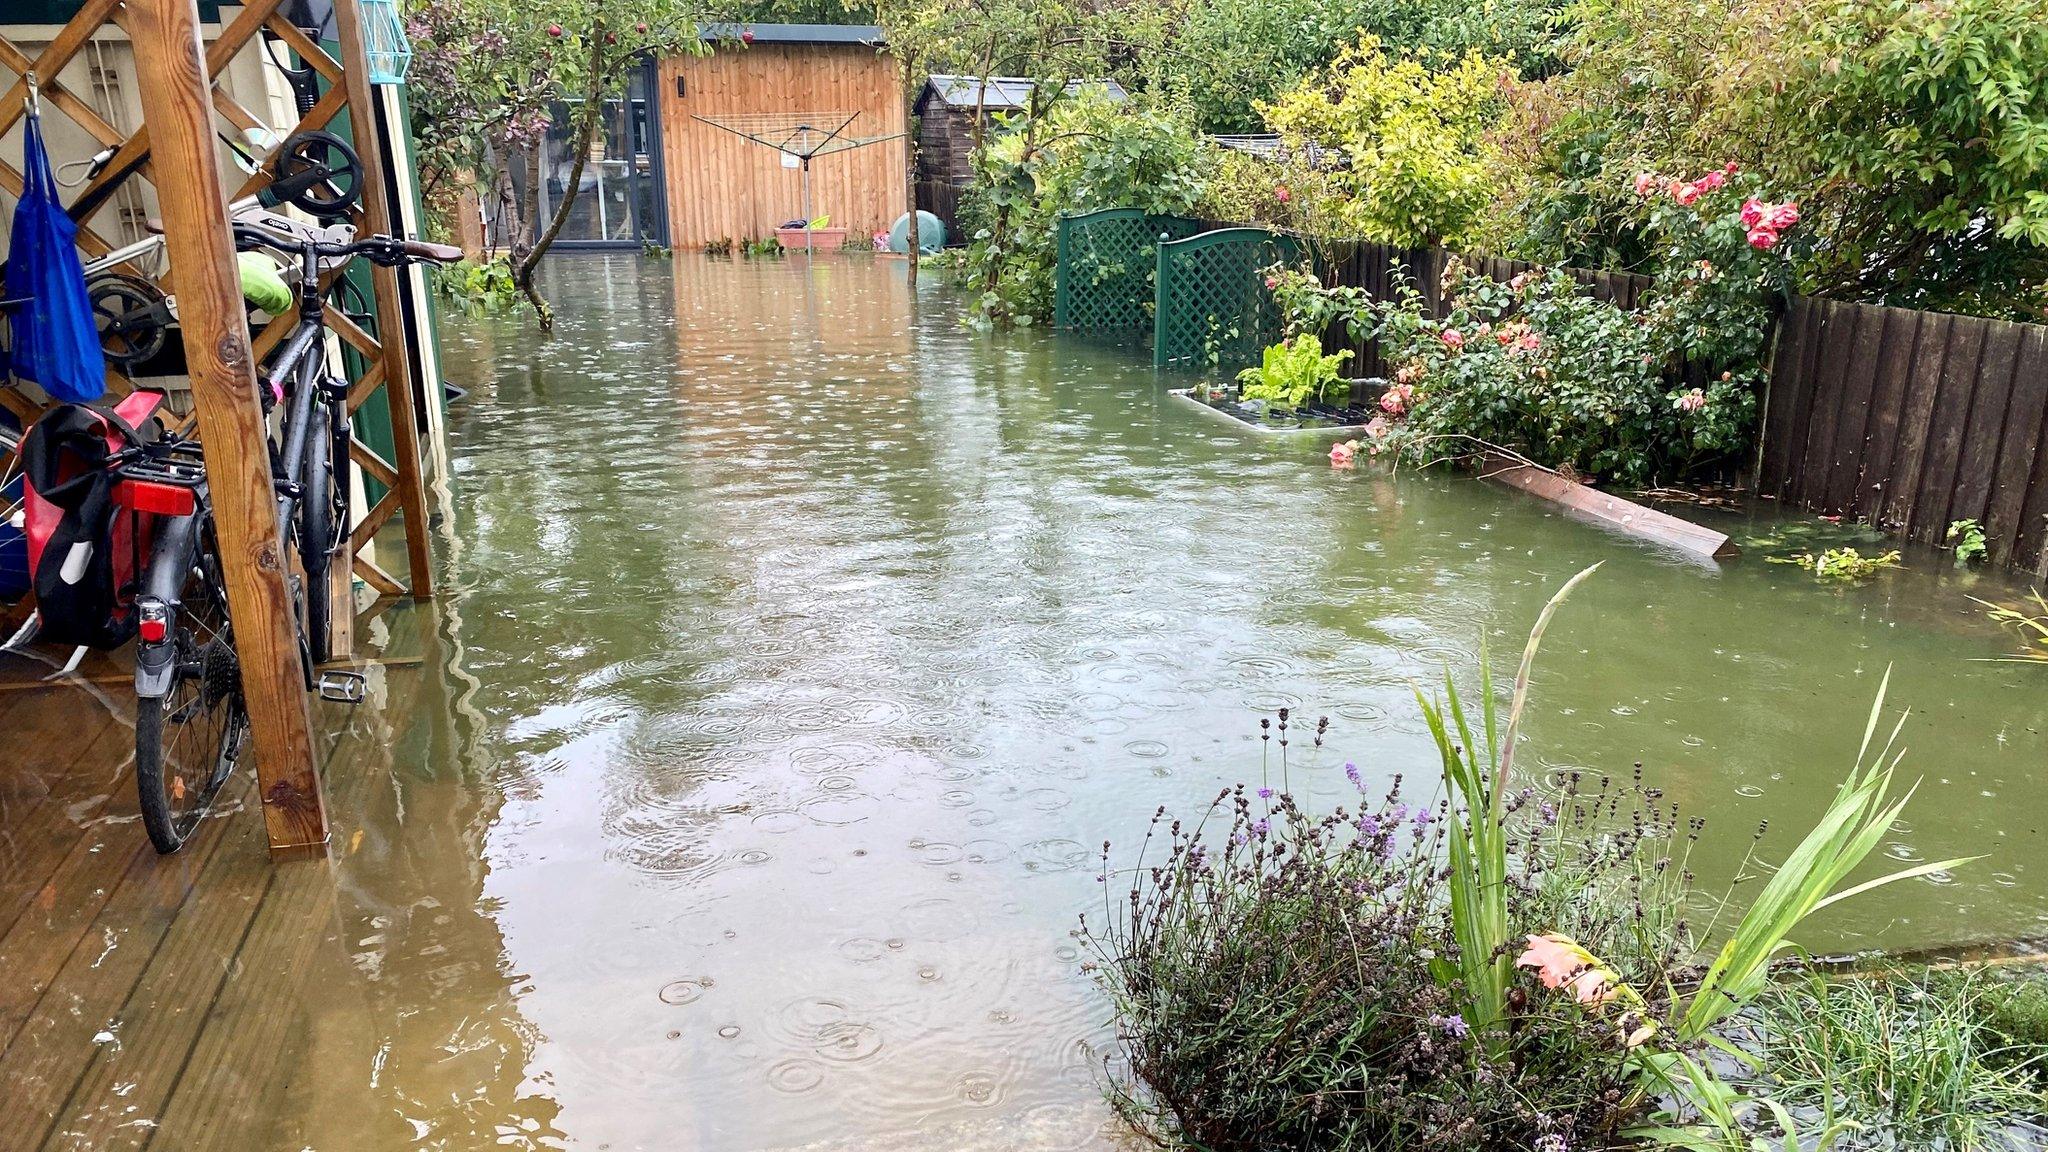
pixel 1643 523
pixel 178 115
pixel 377 218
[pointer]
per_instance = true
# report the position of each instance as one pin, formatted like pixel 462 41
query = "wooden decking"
pixel 147 1001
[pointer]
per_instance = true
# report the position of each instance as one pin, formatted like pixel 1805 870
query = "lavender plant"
pixel 1502 967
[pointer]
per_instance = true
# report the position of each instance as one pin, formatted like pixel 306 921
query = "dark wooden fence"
pixel 1912 421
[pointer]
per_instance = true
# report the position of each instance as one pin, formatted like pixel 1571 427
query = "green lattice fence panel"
pixel 1106 264
pixel 1212 304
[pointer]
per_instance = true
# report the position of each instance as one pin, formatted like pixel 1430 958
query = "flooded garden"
pixel 800 648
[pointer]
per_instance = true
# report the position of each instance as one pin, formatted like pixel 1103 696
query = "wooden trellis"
pixel 176 152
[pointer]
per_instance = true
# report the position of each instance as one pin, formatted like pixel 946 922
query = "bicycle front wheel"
pixel 188 741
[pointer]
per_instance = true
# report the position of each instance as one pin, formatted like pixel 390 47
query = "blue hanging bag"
pixel 56 343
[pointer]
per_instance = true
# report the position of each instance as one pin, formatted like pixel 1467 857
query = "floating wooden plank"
pixel 1626 515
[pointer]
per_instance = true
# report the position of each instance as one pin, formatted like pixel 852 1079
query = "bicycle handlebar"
pixel 386 250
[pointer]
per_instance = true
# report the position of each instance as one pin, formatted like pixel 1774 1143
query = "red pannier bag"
pixel 85 552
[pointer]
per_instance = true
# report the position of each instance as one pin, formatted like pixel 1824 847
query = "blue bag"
pixel 56 343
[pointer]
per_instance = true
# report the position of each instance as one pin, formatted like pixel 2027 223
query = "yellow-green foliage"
pixel 1414 131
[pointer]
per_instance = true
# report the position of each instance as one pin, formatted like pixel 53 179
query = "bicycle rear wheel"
pixel 188 741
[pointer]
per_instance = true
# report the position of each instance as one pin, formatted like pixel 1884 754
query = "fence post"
pixel 178 112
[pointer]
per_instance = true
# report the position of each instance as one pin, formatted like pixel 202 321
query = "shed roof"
pixel 1004 92
pixel 863 34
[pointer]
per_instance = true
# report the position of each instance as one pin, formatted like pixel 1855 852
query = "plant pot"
pixel 821 239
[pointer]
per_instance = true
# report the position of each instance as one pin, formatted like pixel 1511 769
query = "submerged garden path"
pixel 798 649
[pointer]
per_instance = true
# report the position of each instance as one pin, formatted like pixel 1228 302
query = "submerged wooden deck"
pixel 150 1001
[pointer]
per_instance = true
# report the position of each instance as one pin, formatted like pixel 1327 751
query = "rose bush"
pixel 1540 367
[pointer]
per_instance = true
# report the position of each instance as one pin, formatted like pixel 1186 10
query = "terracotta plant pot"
pixel 822 239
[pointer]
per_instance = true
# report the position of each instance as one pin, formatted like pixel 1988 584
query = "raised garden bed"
pixel 1223 400
pixel 821 239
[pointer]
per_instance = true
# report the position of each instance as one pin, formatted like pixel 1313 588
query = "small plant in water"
pixel 1966 539
pixel 1504 966
pixel 1841 564
pixel 1293 372
pixel 2031 629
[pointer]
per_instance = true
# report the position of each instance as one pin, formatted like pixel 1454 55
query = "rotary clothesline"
pixel 804 135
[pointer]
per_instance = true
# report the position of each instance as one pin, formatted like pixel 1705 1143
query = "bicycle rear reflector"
pixel 152 497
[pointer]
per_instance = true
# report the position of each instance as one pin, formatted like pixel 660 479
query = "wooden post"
pixel 377 218
pixel 178 112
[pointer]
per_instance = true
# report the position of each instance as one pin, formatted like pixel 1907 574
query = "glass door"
pixel 618 200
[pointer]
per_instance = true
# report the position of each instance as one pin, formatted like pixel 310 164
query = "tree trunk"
pixel 912 233
pixel 588 117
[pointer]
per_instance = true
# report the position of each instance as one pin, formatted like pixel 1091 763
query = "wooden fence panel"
pixel 1913 420
pixel 2023 455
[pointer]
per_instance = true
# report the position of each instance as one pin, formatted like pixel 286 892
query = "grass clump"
pixel 1911 1060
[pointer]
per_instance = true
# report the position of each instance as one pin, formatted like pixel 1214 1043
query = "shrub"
pixel 1537 366
pixel 1914 127
pixel 1414 134
pixel 479 287
pixel 1250 51
pixel 1086 152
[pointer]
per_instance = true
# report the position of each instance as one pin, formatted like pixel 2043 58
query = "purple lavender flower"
pixel 1259 828
pixel 1265 793
pixel 1450 1025
pixel 1368 826
pixel 1351 774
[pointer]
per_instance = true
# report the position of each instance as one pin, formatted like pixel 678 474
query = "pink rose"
pixel 1395 400
pixel 1341 455
pixel 1645 183
pixel 1282 194
pixel 1782 217
pixel 1713 180
pixel 1272 282
pixel 1691 401
pixel 1732 168
pixel 1686 193
pixel 1762 239
pixel 1376 429
pixel 1528 342
pixel 1752 212
pixel 1452 338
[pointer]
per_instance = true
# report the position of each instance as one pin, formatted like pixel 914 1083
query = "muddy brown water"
pixel 802 646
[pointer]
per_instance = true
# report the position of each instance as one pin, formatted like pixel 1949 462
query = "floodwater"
pixel 801 648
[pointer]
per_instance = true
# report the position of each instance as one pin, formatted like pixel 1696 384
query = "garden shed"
pixel 721 112
pixel 947 107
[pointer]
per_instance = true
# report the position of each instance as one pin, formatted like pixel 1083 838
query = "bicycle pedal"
pixel 342 687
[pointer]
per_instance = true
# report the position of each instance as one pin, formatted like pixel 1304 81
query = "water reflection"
pixel 813 644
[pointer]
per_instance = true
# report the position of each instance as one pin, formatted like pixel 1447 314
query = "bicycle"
pixel 192 722
pixel 309 461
